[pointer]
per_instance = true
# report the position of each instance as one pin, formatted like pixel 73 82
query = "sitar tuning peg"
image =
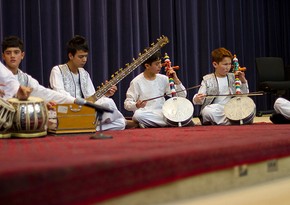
pixel 127 64
pixel 139 54
pixel 112 76
pixel 152 44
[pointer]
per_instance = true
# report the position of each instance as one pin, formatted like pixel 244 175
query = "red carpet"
pixel 73 169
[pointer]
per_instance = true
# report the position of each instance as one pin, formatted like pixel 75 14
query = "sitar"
pixel 122 73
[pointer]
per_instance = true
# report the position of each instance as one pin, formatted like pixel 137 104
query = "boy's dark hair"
pixel 155 57
pixel 77 43
pixel 12 41
pixel 219 54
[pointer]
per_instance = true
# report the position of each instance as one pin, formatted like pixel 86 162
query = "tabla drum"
pixel 178 111
pixel 7 112
pixel 240 110
pixel 30 119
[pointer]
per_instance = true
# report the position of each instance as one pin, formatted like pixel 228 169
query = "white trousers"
pixel 150 118
pixel 214 114
pixel 111 121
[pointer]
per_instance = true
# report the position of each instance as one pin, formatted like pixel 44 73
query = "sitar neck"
pixel 122 73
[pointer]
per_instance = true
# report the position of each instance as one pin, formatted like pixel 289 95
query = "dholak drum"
pixel 240 110
pixel 30 118
pixel 178 111
pixel 7 112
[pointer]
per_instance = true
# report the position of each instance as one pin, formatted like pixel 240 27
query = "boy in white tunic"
pixel 10 87
pixel 150 84
pixel 221 82
pixel 71 79
pixel 12 54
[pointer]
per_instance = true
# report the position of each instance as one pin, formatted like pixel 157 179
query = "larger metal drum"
pixel 30 119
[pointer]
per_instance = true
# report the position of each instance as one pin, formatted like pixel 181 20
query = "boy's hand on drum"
pixel 2 93
pixel 23 92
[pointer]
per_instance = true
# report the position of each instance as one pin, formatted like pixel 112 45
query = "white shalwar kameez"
pixel 282 106
pixel 80 86
pixel 10 84
pixel 141 89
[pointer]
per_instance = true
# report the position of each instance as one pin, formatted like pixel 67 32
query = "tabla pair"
pixel 24 119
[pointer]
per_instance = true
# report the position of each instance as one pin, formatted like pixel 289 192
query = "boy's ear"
pixel 214 64
pixel 146 65
pixel 22 55
pixel 70 56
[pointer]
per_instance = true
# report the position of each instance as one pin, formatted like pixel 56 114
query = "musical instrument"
pixel 240 110
pixel 168 94
pixel 7 112
pixel 237 95
pixel 30 119
pixel 71 118
pixel 122 73
pixel 168 67
pixel 236 67
pixel 237 80
pixel 178 111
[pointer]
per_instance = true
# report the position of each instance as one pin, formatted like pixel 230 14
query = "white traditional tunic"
pixel 142 89
pixel 80 86
pixel 10 83
pixel 282 106
pixel 212 110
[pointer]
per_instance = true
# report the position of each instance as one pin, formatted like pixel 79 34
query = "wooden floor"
pixel 263 185
pixel 267 193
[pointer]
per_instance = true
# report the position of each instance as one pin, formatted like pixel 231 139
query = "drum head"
pixel 240 108
pixel 178 109
pixel 30 99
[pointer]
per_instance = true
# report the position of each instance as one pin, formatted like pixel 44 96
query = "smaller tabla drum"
pixel 7 112
pixel 30 119
pixel 178 111
pixel 240 110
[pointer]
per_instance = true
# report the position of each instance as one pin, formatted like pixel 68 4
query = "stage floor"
pixel 267 193
pixel 137 160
